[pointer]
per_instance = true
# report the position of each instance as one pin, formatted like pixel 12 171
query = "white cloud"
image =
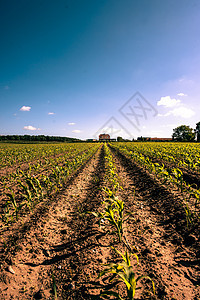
pixel 25 108
pixel 178 108
pixel 76 131
pixel 51 113
pixel 183 112
pixel 165 115
pixel 181 94
pixel 29 127
pixel 161 115
pixel 71 124
pixel 168 101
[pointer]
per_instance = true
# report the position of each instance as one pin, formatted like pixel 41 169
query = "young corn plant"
pixel 188 213
pixel 113 215
pixel 112 177
pixel 56 174
pixel 12 205
pixel 47 184
pixel 28 195
pixel 194 193
pixel 35 186
pixel 6 215
pixel 123 272
pixel 178 174
pixel 54 288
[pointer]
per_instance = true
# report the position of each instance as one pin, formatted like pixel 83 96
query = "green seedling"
pixel 123 272
pixel 54 288
pixel 114 214
pixel 12 205
pixel 178 174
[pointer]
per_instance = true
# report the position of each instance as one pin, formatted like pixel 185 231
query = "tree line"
pixel 37 138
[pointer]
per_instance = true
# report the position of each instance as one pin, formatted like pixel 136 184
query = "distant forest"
pixel 36 138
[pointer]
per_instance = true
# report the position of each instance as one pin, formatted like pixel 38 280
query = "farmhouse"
pixel 104 137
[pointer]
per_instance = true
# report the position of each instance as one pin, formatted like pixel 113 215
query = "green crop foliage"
pixel 54 288
pixel 178 174
pixel 155 157
pixel 12 208
pixel 123 272
pixel 43 172
pixel 113 214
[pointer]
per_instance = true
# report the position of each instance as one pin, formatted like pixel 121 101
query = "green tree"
pixel 119 139
pixel 197 131
pixel 183 133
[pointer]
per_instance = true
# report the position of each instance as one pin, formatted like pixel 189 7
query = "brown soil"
pixel 62 240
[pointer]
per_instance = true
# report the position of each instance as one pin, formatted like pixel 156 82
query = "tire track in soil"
pixel 62 242
pixel 173 266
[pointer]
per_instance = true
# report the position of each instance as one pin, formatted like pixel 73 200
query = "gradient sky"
pixel 72 67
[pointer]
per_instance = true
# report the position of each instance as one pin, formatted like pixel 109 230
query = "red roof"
pixel 160 139
pixel 104 136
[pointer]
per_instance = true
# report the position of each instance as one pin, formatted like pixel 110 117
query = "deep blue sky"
pixel 67 67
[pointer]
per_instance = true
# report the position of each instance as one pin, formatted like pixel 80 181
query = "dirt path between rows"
pixel 163 253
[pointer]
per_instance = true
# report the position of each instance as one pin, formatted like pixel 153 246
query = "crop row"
pixel 172 178
pixel 112 218
pixel 13 154
pixel 32 187
pixel 183 155
pixel 43 165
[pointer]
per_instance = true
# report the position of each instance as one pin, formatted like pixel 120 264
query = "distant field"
pixel 69 209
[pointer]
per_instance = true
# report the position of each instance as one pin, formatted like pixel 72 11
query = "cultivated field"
pixel 100 221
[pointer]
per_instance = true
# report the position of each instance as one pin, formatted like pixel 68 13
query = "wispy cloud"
pixel 181 94
pixel 29 127
pixel 185 80
pixel 183 112
pixel 51 113
pixel 167 101
pixel 25 108
pixel 71 124
pixel 76 131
